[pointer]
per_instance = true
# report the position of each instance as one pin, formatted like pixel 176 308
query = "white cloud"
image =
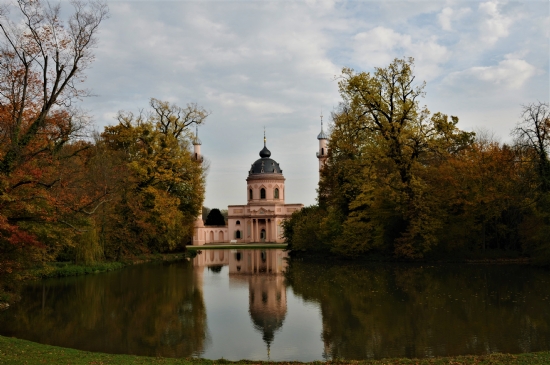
pixel 252 104
pixel 380 45
pixel 272 63
pixel 445 18
pixel 509 74
pixel 494 25
pixel 448 16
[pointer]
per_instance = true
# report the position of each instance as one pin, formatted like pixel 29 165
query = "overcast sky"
pixel 274 63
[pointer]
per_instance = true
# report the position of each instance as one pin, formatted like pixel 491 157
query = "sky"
pixel 275 64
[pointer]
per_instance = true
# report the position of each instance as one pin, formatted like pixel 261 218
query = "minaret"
pixel 198 238
pixel 323 150
pixel 197 147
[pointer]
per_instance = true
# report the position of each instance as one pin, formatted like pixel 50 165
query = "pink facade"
pixel 260 220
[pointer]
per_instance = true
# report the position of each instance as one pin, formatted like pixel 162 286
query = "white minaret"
pixel 197 147
pixel 323 150
pixel 198 238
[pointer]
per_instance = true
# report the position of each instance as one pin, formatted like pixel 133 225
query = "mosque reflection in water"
pixel 263 271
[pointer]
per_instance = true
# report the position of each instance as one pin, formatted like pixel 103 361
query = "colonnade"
pixel 270 227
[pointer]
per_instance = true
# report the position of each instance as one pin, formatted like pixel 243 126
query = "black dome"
pixel 265 166
pixel 265 152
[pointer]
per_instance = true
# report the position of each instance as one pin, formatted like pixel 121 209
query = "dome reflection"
pixel 262 270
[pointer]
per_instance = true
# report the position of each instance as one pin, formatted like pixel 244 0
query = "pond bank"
pixel 64 269
pixel 58 269
pixel 15 351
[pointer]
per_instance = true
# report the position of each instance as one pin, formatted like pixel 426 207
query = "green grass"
pixel 14 352
pixel 61 269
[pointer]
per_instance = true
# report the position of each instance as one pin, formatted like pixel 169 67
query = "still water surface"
pixel 251 304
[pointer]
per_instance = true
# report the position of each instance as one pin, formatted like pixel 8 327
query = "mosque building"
pixel 261 218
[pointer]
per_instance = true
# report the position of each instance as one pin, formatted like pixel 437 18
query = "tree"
pixel 381 142
pixel 43 61
pixel 533 133
pixel 164 187
pixel 215 218
pixel 533 137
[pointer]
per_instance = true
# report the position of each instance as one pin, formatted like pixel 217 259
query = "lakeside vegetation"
pixel 402 183
pixel 15 351
pixel 67 193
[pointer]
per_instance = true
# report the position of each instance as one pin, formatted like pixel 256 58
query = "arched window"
pixel 250 196
pixel 262 193
pixel 276 193
pixel 322 151
pixel 238 234
pixel 238 223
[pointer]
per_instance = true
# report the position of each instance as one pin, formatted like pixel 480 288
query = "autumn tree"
pixel 533 134
pixel 533 138
pixel 381 141
pixel 43 62
pixel 164 187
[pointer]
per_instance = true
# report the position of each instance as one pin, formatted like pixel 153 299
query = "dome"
pixel 265 165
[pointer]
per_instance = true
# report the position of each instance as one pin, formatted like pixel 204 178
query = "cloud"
pixel 272 63
pixel 448 16
pixel 494 24
pixel 510 74
pixel 380 45
pixel 254 105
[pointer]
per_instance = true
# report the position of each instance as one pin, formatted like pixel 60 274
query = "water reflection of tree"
pixel 157 311
pixel 375 312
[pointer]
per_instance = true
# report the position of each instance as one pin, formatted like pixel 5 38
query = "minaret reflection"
pixel 262 270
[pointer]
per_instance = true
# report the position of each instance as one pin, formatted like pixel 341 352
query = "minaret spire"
pixel 323 149
pixel 196 140
pixel 264 136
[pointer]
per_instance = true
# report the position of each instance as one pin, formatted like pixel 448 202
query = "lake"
pixel 254 304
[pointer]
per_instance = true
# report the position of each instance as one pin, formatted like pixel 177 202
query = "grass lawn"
pixel 15 351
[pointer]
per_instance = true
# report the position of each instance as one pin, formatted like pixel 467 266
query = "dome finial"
pixel 264 153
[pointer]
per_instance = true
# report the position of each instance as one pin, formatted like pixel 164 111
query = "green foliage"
pixel 162 186
pixel 88 250
pixel 304 229
pixel 215 218
pixel 408 184
pixel 16 351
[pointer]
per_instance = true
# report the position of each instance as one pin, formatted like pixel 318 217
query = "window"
pixel 322 151
pixel 238 223
pixel 262 193
pixel 250 196
pixel 276 193
pixel 238 234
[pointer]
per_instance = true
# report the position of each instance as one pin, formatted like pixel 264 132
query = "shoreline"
pixel 66 269
pixel 17 351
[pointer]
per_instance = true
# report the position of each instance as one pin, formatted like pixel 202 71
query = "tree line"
pixel 401 182
pixel 68 193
